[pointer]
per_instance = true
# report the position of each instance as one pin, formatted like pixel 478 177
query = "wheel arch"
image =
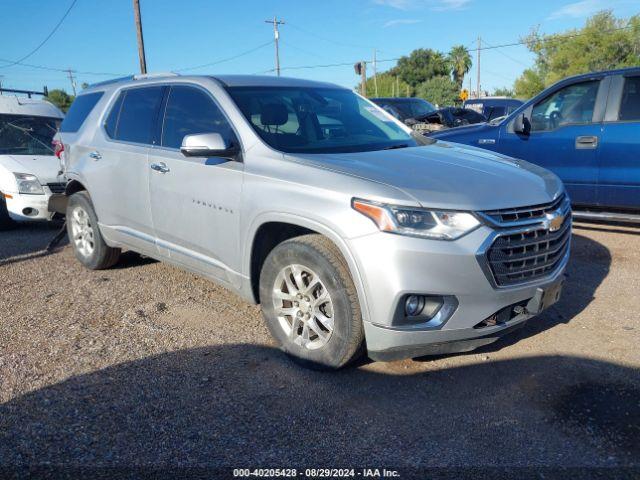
pixel 73 186
pixel 262 232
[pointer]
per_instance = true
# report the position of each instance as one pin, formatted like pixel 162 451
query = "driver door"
pixel 565 137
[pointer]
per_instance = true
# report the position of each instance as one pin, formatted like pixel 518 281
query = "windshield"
pixel 27 135
pixel 414 108
pixel 318 120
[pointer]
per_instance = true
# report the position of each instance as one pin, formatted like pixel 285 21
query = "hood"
pixel 45 167
pixel 463 130
pixel 448 175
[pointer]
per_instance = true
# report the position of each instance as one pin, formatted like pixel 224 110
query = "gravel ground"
pixel 146 365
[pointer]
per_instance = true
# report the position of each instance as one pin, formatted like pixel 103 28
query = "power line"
pixel 228 59
pixel 548 38
pixel 16 62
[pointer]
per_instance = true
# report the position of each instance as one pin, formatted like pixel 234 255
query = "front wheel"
pixel 6 223
pixel 85 237
pixel 310 303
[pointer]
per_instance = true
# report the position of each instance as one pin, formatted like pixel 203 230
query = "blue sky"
pixel 99 36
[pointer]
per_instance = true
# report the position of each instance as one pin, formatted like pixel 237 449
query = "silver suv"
pixel 352 233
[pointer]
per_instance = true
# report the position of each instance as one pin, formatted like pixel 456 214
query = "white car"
pixel 29 168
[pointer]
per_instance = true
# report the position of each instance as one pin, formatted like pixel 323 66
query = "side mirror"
pixel 208 145
pixel 522 125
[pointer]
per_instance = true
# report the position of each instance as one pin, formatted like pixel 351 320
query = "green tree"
pixel 389 85
pixel 460 62
pixel 503 92
pixel 440 90
pixel 605 42
pixel 421 65
pixel 60 99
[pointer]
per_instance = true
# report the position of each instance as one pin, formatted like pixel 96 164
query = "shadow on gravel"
pixel 588 267
pixel 248 406
pixel 28 241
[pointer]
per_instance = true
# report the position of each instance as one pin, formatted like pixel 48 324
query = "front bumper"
pixel 28 208
pixel 394 266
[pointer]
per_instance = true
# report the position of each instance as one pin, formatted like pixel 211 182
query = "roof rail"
pixel 128 78
pixel 28 93
pixel 142 76
pixel 113 80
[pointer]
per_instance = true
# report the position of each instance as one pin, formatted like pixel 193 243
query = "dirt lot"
pixel 146 365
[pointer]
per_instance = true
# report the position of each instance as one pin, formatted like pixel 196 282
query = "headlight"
pixel 28 184
pixel 418 222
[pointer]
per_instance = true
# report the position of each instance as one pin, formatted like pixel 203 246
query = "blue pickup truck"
pixel 586 129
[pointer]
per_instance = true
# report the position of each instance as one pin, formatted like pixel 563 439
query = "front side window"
pixel 190 111
pixel 79 111
pixel 137 115
pixel 573 104
pixel 317 120
pixel 27 134
pixel 630 101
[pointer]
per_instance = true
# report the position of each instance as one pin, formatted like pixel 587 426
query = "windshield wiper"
pixel 393 147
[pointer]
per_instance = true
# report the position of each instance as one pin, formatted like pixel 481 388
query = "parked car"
pixel 422 116
pixel 312 201
pixel 586 129
pixel 29 169
pixel 492 107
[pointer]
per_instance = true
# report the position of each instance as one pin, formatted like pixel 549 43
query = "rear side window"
pixel 138 110
pixel 190 111
pixel 79 111
pixel 630 102
pixel 112 120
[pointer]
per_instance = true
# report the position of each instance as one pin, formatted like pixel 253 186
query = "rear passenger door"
pixel 118 173
pixel 619 155
pixel 195 201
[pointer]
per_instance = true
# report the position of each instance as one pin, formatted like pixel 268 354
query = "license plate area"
pixel 545 297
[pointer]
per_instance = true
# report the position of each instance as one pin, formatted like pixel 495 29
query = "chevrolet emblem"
pixel 553 221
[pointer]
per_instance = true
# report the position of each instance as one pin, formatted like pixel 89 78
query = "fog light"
pixel 413 305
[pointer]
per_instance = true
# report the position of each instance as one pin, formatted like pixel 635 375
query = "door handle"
pixel 160 167
pixel 586 141
pixel 95 155
pixel 486 141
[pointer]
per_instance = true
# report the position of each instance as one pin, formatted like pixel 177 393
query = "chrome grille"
pixel 56 187
pixel 527 247
pixel 524 215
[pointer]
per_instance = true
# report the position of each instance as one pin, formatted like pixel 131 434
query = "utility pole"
pixel 72 80
pixel 276 36
pixel 375 80
pixel 138 19
pixel 397 86
pixel 478 95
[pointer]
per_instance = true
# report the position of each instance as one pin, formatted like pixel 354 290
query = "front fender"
pixel 321 228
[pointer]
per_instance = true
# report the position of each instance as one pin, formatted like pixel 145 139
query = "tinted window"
pixel 630 102
pixel 191 111
pixel 79 111
pixel 318 120
pixel 138 114
pixel 573 104
pixel 114 114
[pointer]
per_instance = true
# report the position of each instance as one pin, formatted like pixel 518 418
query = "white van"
pixel 29 169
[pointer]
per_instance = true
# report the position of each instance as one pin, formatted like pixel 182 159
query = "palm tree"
pixel 460 61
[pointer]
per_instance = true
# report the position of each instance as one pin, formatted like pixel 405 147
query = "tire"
pixel 84 235
pixel 6 223
pixel 333 325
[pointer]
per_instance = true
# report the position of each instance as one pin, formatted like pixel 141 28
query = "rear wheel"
pixel 310 303
pixel 84 235
pixel 5 220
